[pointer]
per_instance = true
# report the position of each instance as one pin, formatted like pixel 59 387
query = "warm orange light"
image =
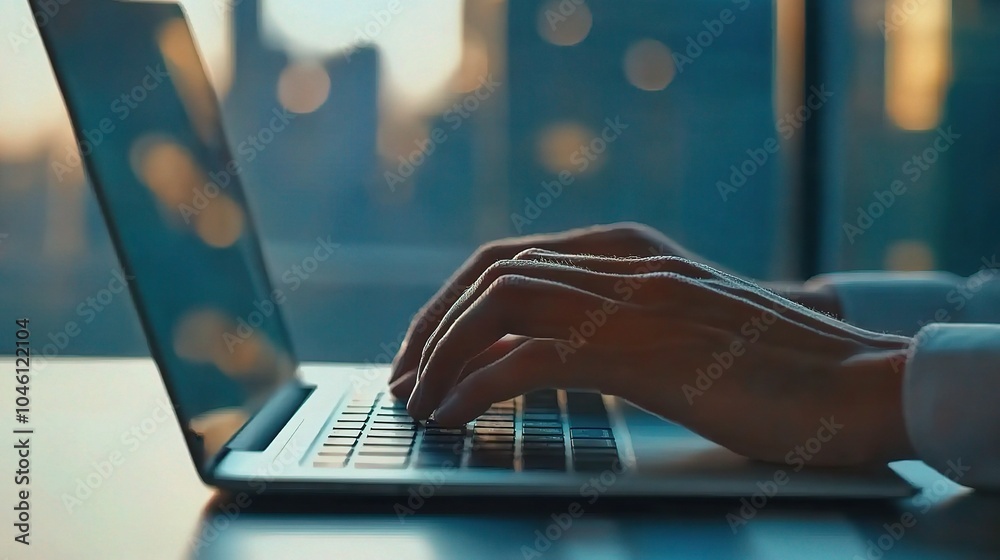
pixel 303 87
pixel 167 168
pixel 564 23
pixel 649 65
pixel 917 61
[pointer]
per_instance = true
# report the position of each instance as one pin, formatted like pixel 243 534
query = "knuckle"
pixel 681 266
pixel 505 285
pixel 500 268
pixel 532 253
pixel 670 280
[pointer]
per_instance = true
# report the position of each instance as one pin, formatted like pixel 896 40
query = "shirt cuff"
pixel 949 401
pixel 892 302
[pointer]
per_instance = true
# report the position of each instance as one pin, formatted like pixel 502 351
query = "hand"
pixel 620 240
pixel 734 362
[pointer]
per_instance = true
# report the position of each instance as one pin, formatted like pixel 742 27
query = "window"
pixel 763 135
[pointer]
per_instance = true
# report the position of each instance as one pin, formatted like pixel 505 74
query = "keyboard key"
pixel 543 445
pixel 535 437
pixel 485 438
pixel 394 405
pixel 441 451
pixel 589 433
pixel 542 416
pixel 341 452
pixel 380 462
pixel 395 422
pixel 542 431
pixel 594 453
pixel 495 424
pixel 345 433
pixel 446 431
pixel 384 450
pixel 340 441
pixel 352 415
pixel 359 407
pixel 330 463
pixel 392 434
pixel 540 424
pixel 589 421
pixel 383 424
pixel 583 401
pixel 547 463
pixel 395 442
pixel 349 425
pixel 494 431
pixel 600 443
pixel 540 395
pixel 443 438
pixel 491 445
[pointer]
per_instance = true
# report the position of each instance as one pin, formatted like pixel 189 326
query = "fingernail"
pixel 413 404
pixel 447 405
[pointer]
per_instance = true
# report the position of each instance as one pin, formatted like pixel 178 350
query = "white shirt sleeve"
pixel 950 401
pixel 950 394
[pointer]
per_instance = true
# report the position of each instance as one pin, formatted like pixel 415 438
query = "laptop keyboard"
pixel 550 430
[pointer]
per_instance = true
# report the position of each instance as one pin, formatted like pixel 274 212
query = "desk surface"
pixel 151 504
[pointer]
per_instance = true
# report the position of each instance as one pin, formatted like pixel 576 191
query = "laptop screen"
pixel 148 125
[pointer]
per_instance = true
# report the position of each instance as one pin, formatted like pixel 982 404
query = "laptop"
pixel 256 419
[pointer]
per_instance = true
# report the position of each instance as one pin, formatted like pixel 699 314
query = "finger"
pixel 497 351
pixel 601 240
pixel 402 387
pixel 610 286
pixel 528 307
pixel 429 316
pixel 620 265
pixel 536 364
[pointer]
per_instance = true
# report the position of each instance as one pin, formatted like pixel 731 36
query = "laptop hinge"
pixel 261 430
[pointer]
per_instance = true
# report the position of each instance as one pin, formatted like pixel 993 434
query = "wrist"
pixel 878 377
